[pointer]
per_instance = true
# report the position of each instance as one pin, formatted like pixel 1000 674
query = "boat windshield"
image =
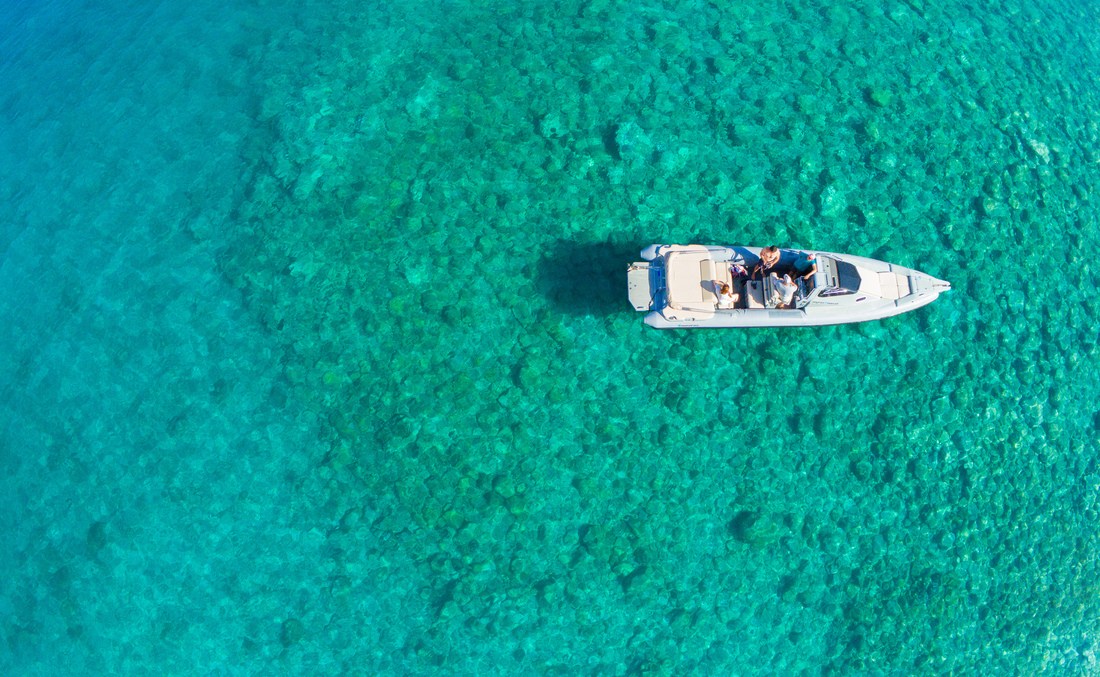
pixel 847 276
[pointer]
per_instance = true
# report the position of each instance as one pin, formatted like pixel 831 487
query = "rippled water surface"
pixel 317 354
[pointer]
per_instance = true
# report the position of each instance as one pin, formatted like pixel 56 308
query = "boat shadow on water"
pixel 586 278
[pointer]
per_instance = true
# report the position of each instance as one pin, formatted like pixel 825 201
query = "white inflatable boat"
pixel 682 286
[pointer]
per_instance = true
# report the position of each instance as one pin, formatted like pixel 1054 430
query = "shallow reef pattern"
pixel 319 359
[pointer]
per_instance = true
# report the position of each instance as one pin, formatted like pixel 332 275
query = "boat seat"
pixel 685 269
pixel 754 294
pixel 772 293
pixel 691 280
pixel 720 272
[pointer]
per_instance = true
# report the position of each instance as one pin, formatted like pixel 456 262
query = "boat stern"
pixel 640 285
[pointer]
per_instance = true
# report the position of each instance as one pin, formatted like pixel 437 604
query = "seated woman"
pixel 726 298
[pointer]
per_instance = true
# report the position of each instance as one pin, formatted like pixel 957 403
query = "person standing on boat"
pixel 769 256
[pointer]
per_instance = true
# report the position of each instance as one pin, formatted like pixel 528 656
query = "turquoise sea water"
pixel 317 357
